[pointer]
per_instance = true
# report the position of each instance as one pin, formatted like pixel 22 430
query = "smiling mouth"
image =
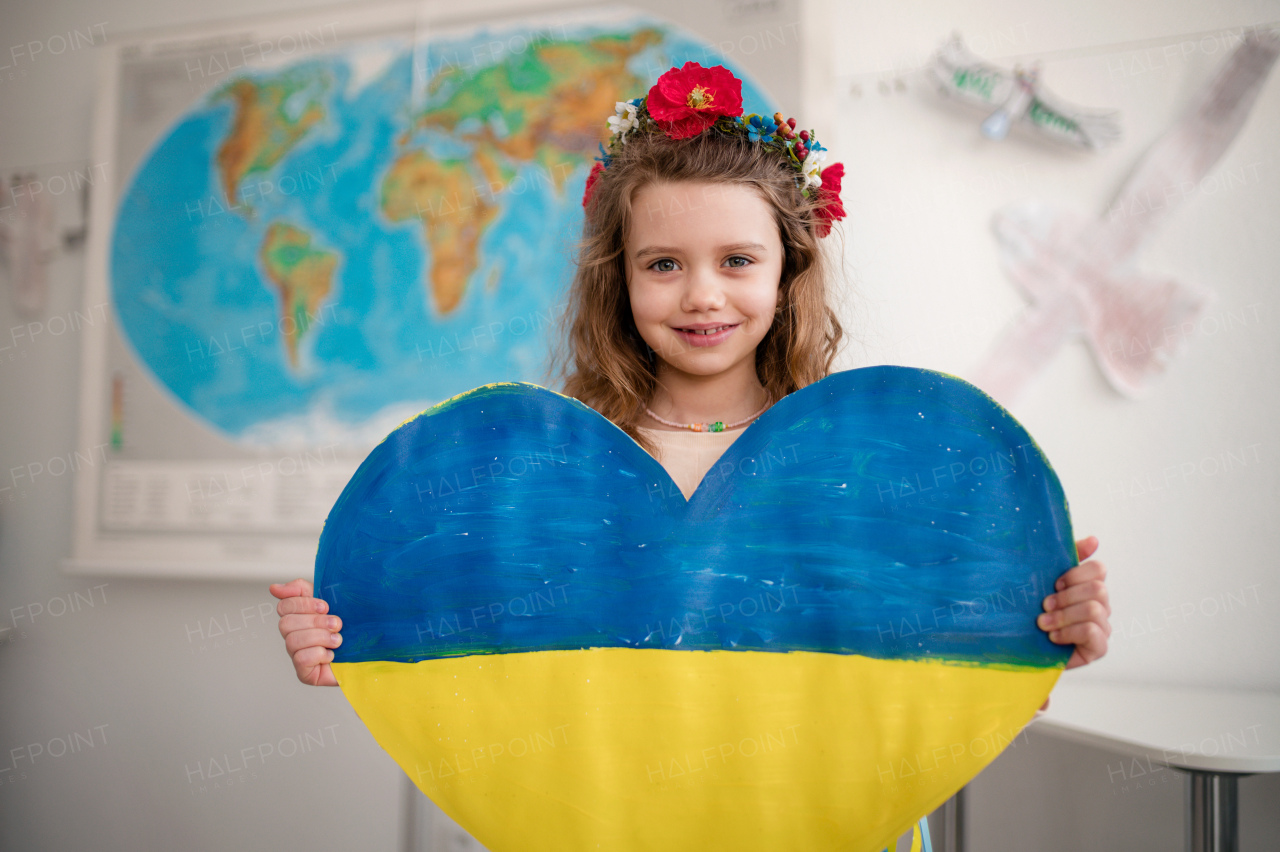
pixel 705 331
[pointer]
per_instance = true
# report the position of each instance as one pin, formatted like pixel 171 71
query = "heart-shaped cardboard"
pixel 829 639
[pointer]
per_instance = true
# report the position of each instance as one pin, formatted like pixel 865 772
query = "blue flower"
pixel 758 129
pixel 604 156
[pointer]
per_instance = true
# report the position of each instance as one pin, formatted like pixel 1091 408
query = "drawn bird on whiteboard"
pixel 1018 96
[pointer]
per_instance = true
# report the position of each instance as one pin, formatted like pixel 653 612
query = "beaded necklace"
pixel 718 426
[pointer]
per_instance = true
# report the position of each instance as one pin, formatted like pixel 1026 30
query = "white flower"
pixel 811 168
pixel 625 119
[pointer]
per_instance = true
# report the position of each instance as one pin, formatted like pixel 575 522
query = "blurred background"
pixel 198 201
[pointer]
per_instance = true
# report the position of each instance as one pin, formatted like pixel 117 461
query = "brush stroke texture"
pixel 887 511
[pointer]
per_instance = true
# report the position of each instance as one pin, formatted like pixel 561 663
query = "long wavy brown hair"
pixel 600 357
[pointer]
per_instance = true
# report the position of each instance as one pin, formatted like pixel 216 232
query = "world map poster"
pixel 313 230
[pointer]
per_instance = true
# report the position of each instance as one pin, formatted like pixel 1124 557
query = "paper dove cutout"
pixel 1081 274
pixel 1018 95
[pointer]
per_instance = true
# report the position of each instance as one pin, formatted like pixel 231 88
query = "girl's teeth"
pixel 707 330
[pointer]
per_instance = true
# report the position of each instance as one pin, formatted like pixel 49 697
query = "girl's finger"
pixel 299 639
pixel 293 588
pixel 1090 641
pixel 324 676
pixel 1086 547
pixel 1085 571
pixel 301 604
pixel 1088 612
pixel 292 623
pixel 317 672
pixel 306 658
pixel 1088 590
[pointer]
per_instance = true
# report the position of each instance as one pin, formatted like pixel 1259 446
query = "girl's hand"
pixel 308 632
pixel 1079 611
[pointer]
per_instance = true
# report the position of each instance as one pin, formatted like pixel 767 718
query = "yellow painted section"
pixel 628 749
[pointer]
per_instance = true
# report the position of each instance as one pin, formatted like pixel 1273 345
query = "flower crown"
pixel 687 101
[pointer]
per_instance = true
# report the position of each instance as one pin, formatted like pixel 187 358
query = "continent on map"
pixel 418 187
pixel 303 275
pixel 271 116
pixel 545 106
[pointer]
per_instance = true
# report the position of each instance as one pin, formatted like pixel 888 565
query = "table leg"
pixel 953 823
pixel 1212 811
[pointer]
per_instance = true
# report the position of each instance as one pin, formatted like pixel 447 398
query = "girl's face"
pixel 703 256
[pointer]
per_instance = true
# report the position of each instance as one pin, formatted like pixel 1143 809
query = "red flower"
pixel 591 182
pixel 832 208
pixel 688 101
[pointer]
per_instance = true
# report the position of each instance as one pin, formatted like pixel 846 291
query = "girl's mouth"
pixel 706 336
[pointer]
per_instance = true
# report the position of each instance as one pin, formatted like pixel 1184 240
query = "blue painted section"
pixel 887 511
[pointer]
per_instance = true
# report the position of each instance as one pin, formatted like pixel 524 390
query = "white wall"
pixel 929 293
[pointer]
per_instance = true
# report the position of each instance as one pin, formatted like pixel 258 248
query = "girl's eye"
pixel 732 261
pixel 661 265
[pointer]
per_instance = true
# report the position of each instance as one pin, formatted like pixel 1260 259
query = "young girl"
pixel 702 298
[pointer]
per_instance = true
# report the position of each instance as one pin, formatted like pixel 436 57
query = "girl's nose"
pixel 702 291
